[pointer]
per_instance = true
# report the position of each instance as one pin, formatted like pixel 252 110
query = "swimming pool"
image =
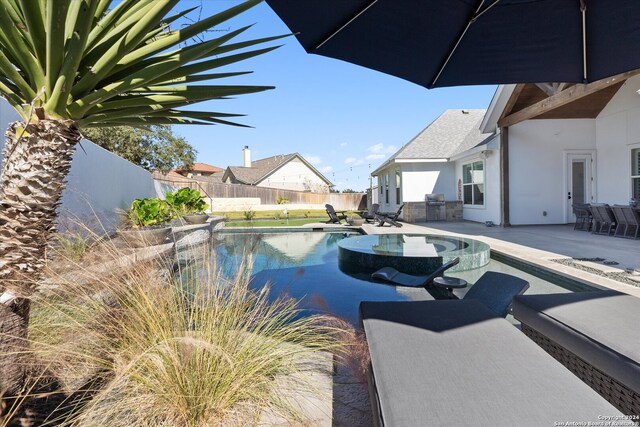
pixel 304 265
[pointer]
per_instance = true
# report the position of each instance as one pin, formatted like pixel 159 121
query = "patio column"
pixel 504 177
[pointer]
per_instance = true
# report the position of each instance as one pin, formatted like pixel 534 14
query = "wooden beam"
pixel 546 88
pixel 504 178
pixel 512 100
pixel 565 97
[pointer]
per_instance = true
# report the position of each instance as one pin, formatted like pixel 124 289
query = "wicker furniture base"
pixel 619 395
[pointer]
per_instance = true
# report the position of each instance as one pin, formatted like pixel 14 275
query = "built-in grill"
pixel 436 210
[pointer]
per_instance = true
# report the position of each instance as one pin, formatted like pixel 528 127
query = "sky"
pixel 344 119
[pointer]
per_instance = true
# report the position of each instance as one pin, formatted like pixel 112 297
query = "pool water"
pixel 304 265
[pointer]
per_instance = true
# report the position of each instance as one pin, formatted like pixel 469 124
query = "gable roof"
pixel 260 169
pixel 203 167
pixel 453 132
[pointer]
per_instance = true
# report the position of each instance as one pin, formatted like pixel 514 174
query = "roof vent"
pixel 465 112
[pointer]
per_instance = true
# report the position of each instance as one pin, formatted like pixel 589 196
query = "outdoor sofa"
pixel 455 362
pixel 594 334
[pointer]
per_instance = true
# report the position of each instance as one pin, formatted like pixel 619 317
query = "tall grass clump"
pixel 148 348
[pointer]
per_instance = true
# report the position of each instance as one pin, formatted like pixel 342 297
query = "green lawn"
pixel 275 223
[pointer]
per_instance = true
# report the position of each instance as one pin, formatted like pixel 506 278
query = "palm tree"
pixel 69 64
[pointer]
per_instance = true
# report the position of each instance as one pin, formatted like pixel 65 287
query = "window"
pixel 635 174
pixel 380 186
pixel 398 185
pixel 386 188
pixel 473 183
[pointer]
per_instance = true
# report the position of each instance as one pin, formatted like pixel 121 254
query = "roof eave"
pixel 496 107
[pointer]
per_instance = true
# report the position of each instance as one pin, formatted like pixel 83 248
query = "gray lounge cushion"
pixel 599 327
pixel 455 362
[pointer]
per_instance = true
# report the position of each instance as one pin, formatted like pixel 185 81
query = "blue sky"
pixel 345 119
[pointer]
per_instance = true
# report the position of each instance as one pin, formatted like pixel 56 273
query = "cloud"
pixel 375 156
pixel 353 161
pixel 314 160
pixel 326 169
pixel 343 144
pixel 381 149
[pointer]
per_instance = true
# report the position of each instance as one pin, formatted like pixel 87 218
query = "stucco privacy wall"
pixel 99 182
pixel 537 151
pixel 617 132
pixel 295 175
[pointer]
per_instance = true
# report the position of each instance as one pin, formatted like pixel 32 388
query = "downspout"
pixel 504 177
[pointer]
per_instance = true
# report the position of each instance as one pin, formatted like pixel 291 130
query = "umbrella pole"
pixel 583 10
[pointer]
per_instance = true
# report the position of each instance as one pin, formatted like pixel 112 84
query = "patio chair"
pixel 390 274
pixel 628 221
pixel 604 222
pixel 497 290
pixel 334 217
pixel 583 215
pixel 390 218
pixel 370 215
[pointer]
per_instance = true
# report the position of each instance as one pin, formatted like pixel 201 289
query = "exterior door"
pixel 579 182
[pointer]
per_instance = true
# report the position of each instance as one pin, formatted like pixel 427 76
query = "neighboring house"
pixel 287 172
pixel 200 169
pixel 425 165
pixel 538 149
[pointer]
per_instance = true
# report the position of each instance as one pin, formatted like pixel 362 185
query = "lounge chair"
pixel 390 274
pixel 334 217
pixel 628 221
pixel 604 222
pixel 370 215
pixel 497 290
pixel 390 218
pixel 583 215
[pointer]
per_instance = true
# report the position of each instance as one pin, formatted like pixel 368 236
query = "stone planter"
pixel 196 218
pixel 145 236
pixel 355 221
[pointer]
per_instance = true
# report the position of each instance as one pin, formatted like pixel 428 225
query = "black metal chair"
pixel 584 218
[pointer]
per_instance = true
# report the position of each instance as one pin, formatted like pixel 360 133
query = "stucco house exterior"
pixel 285 171
pixel 537 149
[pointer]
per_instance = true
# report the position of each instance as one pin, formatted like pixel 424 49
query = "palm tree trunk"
pixel 37 159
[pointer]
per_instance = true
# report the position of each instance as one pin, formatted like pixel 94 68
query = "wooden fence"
pixel 269 196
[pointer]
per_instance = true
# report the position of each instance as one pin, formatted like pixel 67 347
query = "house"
pixel 427 165
pixel 546 147
pixel 287 172
pixel 200 169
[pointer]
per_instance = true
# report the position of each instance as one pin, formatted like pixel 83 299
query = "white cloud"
pixel 375 156
pixel 380 148
pixel 353 161
pixel 314 160
pixel 326 169
pixel 343 144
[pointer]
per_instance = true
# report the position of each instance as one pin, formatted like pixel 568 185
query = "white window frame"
pixel 484 183
pixel 631 175
pixel 398 184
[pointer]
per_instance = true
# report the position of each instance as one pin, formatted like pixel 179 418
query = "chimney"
pixel 246 157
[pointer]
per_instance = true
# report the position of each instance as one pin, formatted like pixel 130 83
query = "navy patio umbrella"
pixel 437 43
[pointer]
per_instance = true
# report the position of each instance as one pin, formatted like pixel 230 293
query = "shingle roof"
pixel 203 167
pixel 259 168
pixel 452 133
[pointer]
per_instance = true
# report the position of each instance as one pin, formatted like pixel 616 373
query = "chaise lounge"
pixel 456 362
pixel 390 274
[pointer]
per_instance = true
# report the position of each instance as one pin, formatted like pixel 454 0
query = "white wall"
pixel 98 183
pixel 417 179
pixel 617 132
pixel 537 150
pixel 491 209
pixel 295 175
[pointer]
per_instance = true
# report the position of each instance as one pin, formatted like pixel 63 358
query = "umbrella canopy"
pixel 437 43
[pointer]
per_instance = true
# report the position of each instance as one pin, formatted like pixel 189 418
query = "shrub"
pixel 186 201
pixel 249 215
pixel 72 246
pixel 148 212
pixel 281 200
pixel 199 350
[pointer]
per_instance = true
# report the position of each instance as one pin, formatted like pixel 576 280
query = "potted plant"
pixel 146 220
pixel 188 204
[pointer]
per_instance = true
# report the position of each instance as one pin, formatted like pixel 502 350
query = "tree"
pixel 68 65
pixel 153 148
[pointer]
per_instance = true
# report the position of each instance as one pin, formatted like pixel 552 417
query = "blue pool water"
pixel 304 265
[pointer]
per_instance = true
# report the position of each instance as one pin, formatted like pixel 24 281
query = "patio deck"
pixel 539 244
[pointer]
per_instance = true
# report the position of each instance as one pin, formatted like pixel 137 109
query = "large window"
pixel 398 186
pixel 635 174
pixel 473 183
